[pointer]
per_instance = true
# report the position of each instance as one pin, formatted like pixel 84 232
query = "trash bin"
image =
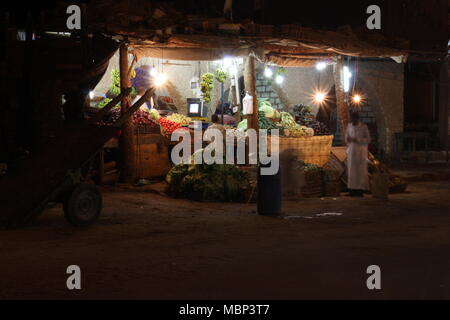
pixel 269 193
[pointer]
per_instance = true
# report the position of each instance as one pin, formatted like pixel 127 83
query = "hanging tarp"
pixel 187 54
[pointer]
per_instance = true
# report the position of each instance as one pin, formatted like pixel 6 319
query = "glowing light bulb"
pixel 153 72
pixel 319 97
pixel 279 79
pixel 357 98
pixel 227 62
pixel 268 73
pixel 321 66
pixel 160 79
pixel 91 95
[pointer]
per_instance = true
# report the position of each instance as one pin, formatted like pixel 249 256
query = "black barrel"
pixel 269 193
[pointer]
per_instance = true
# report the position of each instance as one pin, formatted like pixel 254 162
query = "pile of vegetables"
pixel 180 119
pixel 265 106
pixel 303 115
pixel 266 123
pixel 154 114
pixel 143 118
pixel 168 127
pixel 112 116
pixel 308 167
pixel 292 128
pixel 217 182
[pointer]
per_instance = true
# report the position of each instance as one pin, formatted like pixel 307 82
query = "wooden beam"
pixel 124 118
pixel 250 86
pixel 443 104
pixel 126 139
pixel 103 111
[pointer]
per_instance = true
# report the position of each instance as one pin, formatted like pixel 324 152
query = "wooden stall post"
pixel 443 97
pixel 126 139
pixel 341 101
pixel 250 86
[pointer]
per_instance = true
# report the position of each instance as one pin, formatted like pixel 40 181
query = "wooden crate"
pixel 151 155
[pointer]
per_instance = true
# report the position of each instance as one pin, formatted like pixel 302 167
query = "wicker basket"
pixel 313 187
pixel 314 150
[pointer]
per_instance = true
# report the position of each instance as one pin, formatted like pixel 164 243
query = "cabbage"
pixel 269 112
pixel 243 125
pixel 154 114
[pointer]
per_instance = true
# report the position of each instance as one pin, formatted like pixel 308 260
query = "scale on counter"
pixel 196 108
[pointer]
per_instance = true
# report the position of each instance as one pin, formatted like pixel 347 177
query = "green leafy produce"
pixel 268 111
pixel 243 125
pixel 215 182
pixel 154 114
pixel 103 103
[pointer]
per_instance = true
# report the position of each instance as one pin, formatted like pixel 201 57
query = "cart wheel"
pixel 83 205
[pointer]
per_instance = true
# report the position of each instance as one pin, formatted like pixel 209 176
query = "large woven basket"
pixel 315 150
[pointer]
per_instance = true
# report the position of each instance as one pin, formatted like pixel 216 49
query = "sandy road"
pixel 148 246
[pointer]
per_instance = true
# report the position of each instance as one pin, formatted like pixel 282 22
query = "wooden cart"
pixel 58 172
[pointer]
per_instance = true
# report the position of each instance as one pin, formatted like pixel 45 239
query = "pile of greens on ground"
pixel 217 182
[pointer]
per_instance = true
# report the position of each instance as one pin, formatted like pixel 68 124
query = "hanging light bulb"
pixel 279 79
pixel 153 72
pixel 91 95
pixel 227 62
pixel 268 73
pixel 160 79
pixel 321 66
pixel 357 99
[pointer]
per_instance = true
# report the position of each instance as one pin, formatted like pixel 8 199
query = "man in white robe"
pixel 357 138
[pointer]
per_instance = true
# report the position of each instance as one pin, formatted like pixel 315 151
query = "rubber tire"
pixel 83 205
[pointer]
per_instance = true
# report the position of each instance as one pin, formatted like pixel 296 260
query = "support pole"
pixel 250 86
pixel 341 99
pixel 126 139
pixel 443 104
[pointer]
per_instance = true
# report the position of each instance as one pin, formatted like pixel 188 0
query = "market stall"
pixel 153 124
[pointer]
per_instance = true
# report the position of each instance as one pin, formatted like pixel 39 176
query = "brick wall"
pixel 264 89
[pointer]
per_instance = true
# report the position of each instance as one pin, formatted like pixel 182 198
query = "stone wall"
pixel 264 89
pixel 383 83
pixel 298 87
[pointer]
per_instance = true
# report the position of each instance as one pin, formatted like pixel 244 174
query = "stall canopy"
pixel 157 30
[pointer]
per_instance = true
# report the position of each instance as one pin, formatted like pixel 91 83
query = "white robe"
pixel 357 156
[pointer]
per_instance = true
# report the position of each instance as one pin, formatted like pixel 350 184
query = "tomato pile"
pixel 169 126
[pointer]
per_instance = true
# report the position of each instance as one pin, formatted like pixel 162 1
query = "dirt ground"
pixel 148 246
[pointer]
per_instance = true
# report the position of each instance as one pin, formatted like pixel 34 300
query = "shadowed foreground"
pixel 148 246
